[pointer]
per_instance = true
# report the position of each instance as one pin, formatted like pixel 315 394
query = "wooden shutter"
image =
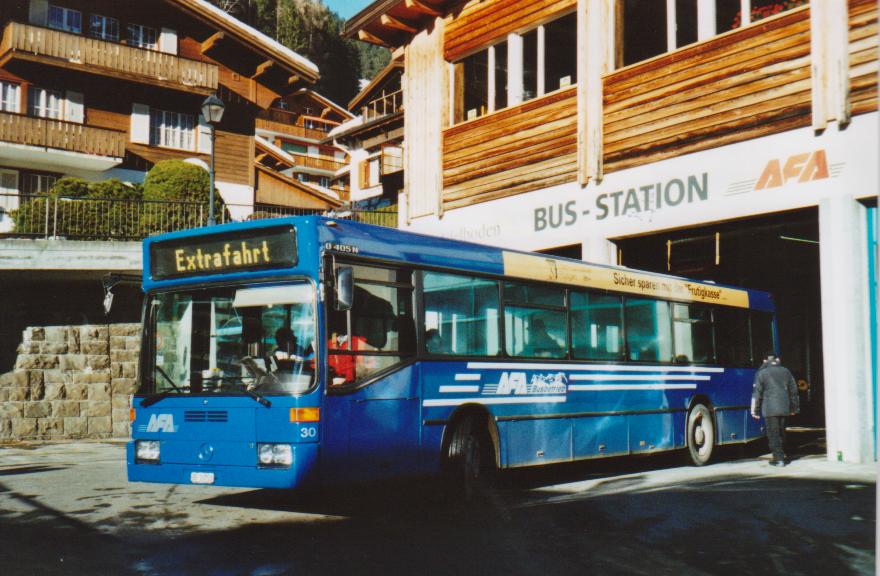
pixel 140 123
pixel 204 136
pixel 38 13
pixel 74 109
pixel 168 41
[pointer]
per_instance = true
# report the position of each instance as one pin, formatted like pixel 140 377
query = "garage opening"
pixel 778 253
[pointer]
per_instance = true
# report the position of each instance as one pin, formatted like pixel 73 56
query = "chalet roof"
pixel 272 49
pixel 326 102
pixel 301 186
pixel 393 23
pixel 395 66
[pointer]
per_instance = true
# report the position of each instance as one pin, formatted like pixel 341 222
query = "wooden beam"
pixel 293 80
pixel 261 157
pixel 212 42
pixel 326 111
pixel 420 6
pixel 263 68
pixel 392 22
pixel 372 39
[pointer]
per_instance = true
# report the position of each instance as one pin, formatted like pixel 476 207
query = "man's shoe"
pixel 777 463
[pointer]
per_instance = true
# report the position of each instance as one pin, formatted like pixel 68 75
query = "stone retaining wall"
pixel 70 382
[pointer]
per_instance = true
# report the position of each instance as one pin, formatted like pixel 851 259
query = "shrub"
pixel 82 209
pixel 177 181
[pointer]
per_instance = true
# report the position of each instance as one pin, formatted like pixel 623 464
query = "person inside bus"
pixel 542 344
pixel 344 367
pixel 434 342
pixel 288 351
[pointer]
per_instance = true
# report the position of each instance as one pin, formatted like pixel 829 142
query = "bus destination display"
pixel 252 250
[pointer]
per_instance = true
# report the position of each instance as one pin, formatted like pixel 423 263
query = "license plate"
pixel 201 477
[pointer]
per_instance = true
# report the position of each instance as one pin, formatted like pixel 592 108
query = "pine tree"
pixel 311 29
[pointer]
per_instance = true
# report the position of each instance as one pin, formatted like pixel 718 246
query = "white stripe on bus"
pixel 444 389
pixel 593 367
pixel 605 387
pixel 628 377
pixel 504 400
pixel 459 377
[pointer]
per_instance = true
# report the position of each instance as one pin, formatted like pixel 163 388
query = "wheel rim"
pixel 701 441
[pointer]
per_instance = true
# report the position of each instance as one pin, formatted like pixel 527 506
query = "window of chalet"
pixel 44 103
pixel 653 28
pixel 560 53
pixel 103 27
pixel 66 19
pixel 472 75
pixel 294 147
pixel 172 129
pixel 540 60
pixel 10 97
pixel 37 183
pixel 143 37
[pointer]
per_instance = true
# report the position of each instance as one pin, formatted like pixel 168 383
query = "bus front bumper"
pixel 299 474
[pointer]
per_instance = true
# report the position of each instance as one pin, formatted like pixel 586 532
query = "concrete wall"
pixel 70 382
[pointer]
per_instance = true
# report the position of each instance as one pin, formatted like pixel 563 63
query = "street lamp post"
pixel 212 110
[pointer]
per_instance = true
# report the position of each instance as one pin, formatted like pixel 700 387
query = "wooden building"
pixel 105 89
pixel 292 142
pixel 732 140
pixel 374 140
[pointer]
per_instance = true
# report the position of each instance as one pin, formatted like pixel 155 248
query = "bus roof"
pixel 345 237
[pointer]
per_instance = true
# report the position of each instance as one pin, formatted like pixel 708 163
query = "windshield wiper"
pixel 152 399
pixel 249 393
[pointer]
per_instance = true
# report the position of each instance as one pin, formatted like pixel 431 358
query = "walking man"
pixel 775 395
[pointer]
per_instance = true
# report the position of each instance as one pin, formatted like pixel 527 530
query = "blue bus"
pixel 310 351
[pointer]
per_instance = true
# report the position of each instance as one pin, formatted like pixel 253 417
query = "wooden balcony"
pixel 387 105
pixel 73 51
pixel 317 163
pixel 288 123
pixel 61 135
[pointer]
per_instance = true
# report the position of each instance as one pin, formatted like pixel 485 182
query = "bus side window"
pixel 535 321
pixel 382 325
pixel 692 330
pixel 648 330
pixel 762 336
pixel 731 336
pixel 596 326
pixel 462 312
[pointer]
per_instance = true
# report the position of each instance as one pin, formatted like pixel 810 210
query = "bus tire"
pixel 470 463
pixel 700 435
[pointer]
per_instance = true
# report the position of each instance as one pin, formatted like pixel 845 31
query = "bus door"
pixel 372 405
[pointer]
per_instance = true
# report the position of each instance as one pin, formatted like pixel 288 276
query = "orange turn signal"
pixel 305 414
pixel 131 414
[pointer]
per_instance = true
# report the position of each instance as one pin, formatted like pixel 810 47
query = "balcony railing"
pixel 45 216
pixel 384 106
pixel 287 122
pixel 317 163
pixel 70 136
pixel 108 58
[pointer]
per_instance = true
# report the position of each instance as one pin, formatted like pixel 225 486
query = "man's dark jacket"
pixel 774 392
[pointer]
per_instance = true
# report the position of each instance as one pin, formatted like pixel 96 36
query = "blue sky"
pixel 346 8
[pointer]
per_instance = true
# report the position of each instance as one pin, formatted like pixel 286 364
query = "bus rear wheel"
pixel 700 435
pixel 470 462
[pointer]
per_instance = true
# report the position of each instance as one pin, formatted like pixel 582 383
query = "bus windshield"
pixel 231 339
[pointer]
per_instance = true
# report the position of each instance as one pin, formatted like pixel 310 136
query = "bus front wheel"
pixel 700 435
pixel 469 459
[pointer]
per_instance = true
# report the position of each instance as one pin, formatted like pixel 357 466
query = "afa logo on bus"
pixel 161 423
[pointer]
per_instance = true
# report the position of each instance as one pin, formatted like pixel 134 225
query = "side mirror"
pixel 344 288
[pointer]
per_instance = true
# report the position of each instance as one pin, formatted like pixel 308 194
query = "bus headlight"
pixel 147 451
pixel 274 454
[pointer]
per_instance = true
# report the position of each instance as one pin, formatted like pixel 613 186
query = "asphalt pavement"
pixel 66 508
